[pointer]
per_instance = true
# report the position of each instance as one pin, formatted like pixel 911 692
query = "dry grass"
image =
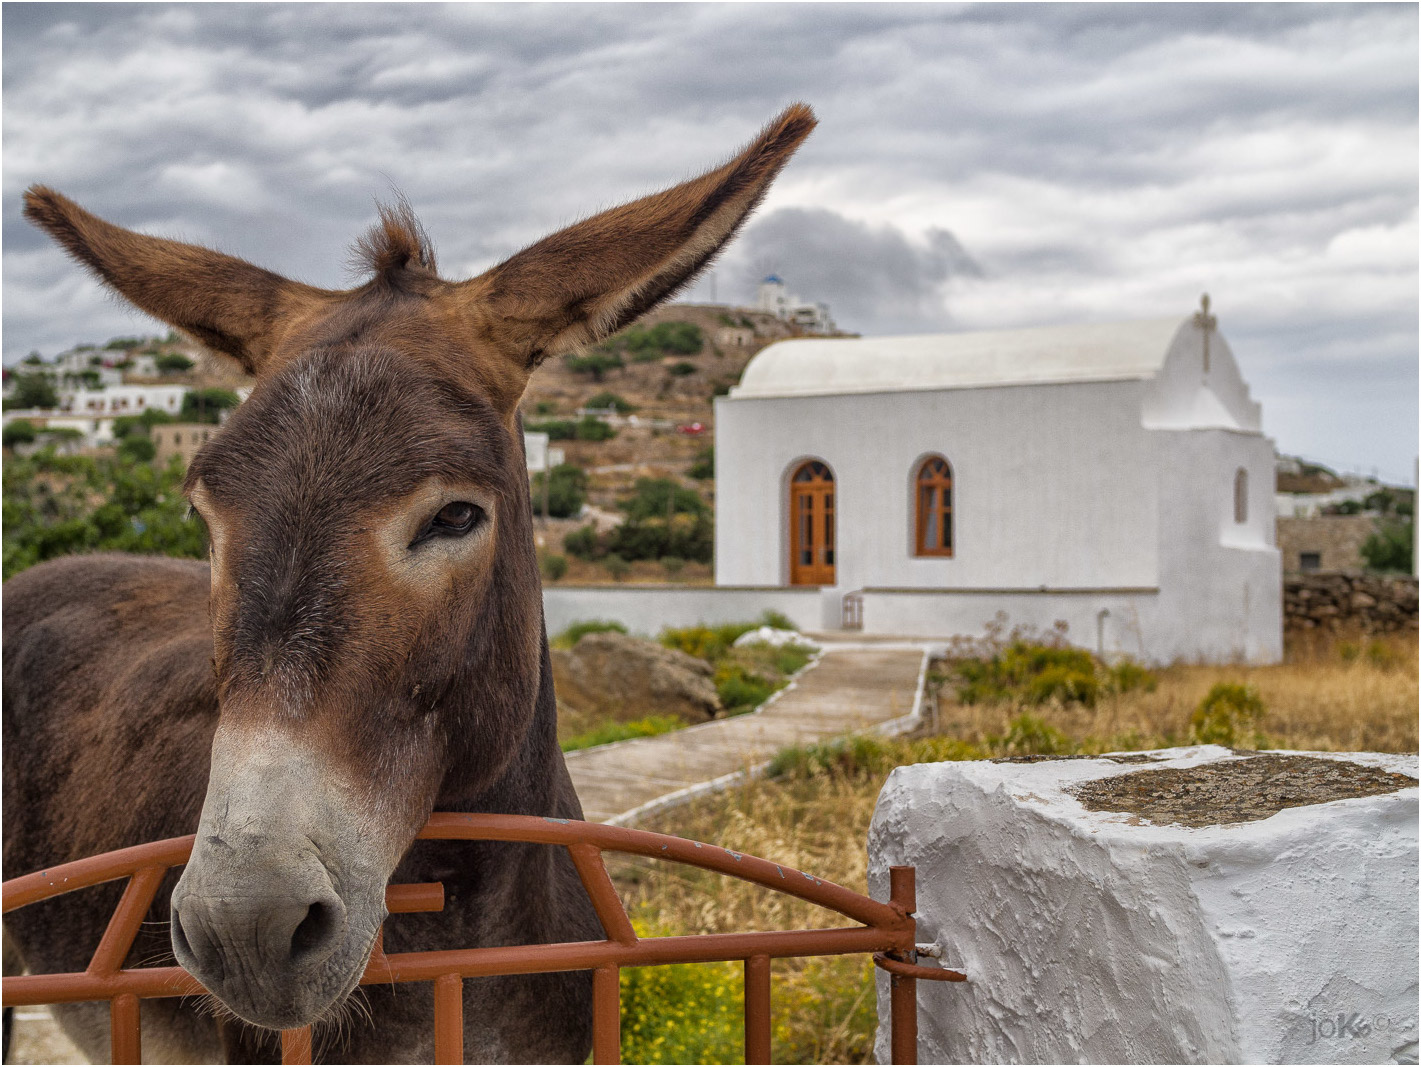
pixel 1331 694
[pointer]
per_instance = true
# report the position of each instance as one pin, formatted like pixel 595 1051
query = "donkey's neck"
pixel 536 781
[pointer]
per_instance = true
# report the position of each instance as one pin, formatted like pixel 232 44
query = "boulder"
pixel 1181 906
pixel 628 678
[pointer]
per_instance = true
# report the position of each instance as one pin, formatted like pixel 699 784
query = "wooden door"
pixel 811 510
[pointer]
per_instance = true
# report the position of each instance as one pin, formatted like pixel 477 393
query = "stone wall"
pixel 1335 540
pixel 1368 602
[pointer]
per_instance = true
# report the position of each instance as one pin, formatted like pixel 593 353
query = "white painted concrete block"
pixel 1124 935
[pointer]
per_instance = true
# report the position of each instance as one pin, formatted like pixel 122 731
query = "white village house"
pixel 1113 476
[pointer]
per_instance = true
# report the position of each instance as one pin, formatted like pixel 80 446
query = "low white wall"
pixel 967 613
pixel 649 609
pixel 1097 936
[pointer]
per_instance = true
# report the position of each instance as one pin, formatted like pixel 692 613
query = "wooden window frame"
pixel 1241 496
pixel 945 512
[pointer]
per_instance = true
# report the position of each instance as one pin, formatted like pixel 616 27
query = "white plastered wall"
pixel 1047 487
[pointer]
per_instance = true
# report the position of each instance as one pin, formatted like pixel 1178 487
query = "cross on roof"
pixel 1207 323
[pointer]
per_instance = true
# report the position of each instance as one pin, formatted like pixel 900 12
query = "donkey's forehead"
pixel 364 423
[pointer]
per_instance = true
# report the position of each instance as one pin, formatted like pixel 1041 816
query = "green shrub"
pixel 1064 685
pixel 665 338
pixel 1228 715
pixel 1028 735
pixel 94 503
pixel 866 756
pixel 34 390
pixel 708 642
pixel 127 424
pixel 173 363
pixel 649 500
pixel 616 566
pixel 777 620
pixel 680 370
pixel 1030 673
pixel 595 363
pixel 609 732
pixel 683 538
pixel 740 689
pixel 578 630
pixel 123 343
pixel 17 432
pixel 137 448
pixel 1389 547
pixel 554 566
pixel 1127 675
pixel 544 407
pixel 607 399
pixel 591 428
pixel 672 564
pixel 207 405
pixel 556 429
pixel 704 465
pixel 566 490
pixel 582 542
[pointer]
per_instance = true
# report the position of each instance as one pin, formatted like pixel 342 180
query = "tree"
pixel 1390 547
pixel 596 363
pixel 137 448
pixel 34 390
pixel 704 465
pixel 591 428
pixel 206 405
pixel 173 363
pixel 88 503
pixel 606 399
pixel 655 498
pixel 19 431
pixel 566 490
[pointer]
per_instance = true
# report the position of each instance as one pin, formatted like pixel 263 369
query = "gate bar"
pixel 903 995
pixel 448 1019
pixel 607 1014
pixel 757 1009
pixel 125 1030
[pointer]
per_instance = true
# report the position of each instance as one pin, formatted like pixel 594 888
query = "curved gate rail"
pixel 888 932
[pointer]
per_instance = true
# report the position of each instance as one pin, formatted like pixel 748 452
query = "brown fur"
pixel 422 675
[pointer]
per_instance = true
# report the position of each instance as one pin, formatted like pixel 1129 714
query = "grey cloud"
pixel 874 278
pixel 1076 149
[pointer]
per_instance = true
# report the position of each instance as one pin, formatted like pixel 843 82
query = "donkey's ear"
pixel 583 283
pixel 225 303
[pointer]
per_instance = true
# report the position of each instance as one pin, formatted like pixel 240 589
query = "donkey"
pixel 365 646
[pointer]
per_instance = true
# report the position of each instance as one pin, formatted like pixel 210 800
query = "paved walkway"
pixel 852 687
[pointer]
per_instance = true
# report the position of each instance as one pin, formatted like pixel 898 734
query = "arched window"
pixel 1241 496
pixel 811 502
pixel 934 508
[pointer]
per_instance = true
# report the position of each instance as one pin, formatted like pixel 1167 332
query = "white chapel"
pixel 1113 476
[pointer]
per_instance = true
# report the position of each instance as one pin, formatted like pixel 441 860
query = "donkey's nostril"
pixel 315 935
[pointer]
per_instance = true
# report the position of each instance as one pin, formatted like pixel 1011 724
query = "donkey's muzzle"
pixel 273 950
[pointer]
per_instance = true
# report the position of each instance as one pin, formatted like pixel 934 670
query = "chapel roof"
pixel 815 366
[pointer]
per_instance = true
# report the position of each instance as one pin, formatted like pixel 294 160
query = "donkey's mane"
pixel 395 246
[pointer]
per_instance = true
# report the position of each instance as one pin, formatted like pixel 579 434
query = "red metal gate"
pixel 887 931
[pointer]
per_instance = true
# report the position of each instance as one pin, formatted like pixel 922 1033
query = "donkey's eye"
pixel 452 520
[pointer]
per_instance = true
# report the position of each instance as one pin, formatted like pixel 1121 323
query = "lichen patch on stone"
pixel 1234 791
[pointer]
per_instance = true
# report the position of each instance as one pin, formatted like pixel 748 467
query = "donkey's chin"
pixel 285 1001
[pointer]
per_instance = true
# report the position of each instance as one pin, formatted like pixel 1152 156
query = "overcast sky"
pixel 974 167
